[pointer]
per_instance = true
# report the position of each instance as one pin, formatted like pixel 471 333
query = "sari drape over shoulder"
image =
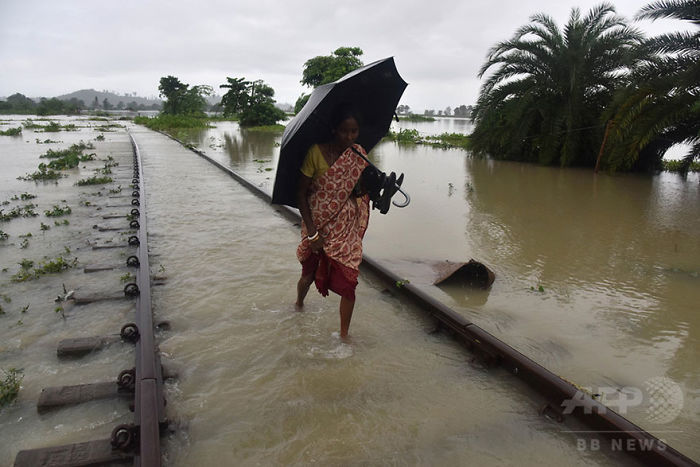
pixel 342 220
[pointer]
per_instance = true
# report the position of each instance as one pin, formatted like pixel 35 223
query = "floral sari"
pixel 341 218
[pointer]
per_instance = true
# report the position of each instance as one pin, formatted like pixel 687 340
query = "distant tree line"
pixel 23 105
pixel 20 104
pixel 459 111
pixel 596 92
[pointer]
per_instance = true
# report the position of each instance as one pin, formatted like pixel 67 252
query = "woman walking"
pixel 335 214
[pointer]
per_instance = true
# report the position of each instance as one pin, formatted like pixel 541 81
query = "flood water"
pixel 597 279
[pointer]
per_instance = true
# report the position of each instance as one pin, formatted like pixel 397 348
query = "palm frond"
pixel 676 9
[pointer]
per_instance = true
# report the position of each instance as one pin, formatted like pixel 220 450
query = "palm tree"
pixel 662 108
pixel 544 99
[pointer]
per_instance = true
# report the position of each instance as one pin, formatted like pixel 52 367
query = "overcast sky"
pixel 48 48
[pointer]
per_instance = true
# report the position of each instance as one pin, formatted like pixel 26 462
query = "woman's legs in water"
pixel 346 307
pixel 303 288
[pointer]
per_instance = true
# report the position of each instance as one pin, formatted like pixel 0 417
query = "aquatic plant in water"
pixel 9 385
pixel 25 211
pixel 94 180
pixel 11 131
pixel 417 118
pixel 52 127
pixel 58 211
pixel 444 140
pixel 68 158
pixel 56 265
pixel 44 173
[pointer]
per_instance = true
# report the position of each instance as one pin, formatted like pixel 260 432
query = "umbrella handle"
pixel 407 199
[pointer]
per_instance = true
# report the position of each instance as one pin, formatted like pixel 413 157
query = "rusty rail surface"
pixel 556 392
pixel 139 441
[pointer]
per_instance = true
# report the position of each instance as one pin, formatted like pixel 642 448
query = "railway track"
pixel 560 399
pixel 142 385
pixel 139 442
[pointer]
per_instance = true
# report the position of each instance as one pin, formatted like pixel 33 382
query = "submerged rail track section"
pixel 138 442
pixel 560 398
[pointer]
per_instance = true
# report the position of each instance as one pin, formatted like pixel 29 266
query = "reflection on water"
pixel 248 146
pixel 597 276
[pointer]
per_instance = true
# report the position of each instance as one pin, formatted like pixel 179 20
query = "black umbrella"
pixel 374 90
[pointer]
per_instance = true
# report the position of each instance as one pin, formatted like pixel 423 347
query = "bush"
pixel 261 114
pixel 165 122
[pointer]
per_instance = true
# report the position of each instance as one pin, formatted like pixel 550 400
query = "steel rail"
pixel 558 392
pixel 149 407
pixel 139 441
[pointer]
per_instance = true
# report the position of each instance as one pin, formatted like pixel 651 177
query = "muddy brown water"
pixel 597 280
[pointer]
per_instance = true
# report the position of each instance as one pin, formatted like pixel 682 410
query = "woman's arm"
pixel 305 211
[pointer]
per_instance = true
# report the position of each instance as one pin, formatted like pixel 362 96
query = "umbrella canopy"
pixel 374 90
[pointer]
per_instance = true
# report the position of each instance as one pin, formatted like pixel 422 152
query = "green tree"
pixel 51 106
pixel 662 107
pixel 73 106
pixel 252 101
pixel 194 101
pixel 462 111
pixel 328 68
pixel 236 98
pixel 172 89
pixel 325 69
pixel 301 102
pixel 544 99
pixel 19 103
pixel 181 99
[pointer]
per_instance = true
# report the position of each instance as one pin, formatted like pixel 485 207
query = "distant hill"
pixel 88 97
